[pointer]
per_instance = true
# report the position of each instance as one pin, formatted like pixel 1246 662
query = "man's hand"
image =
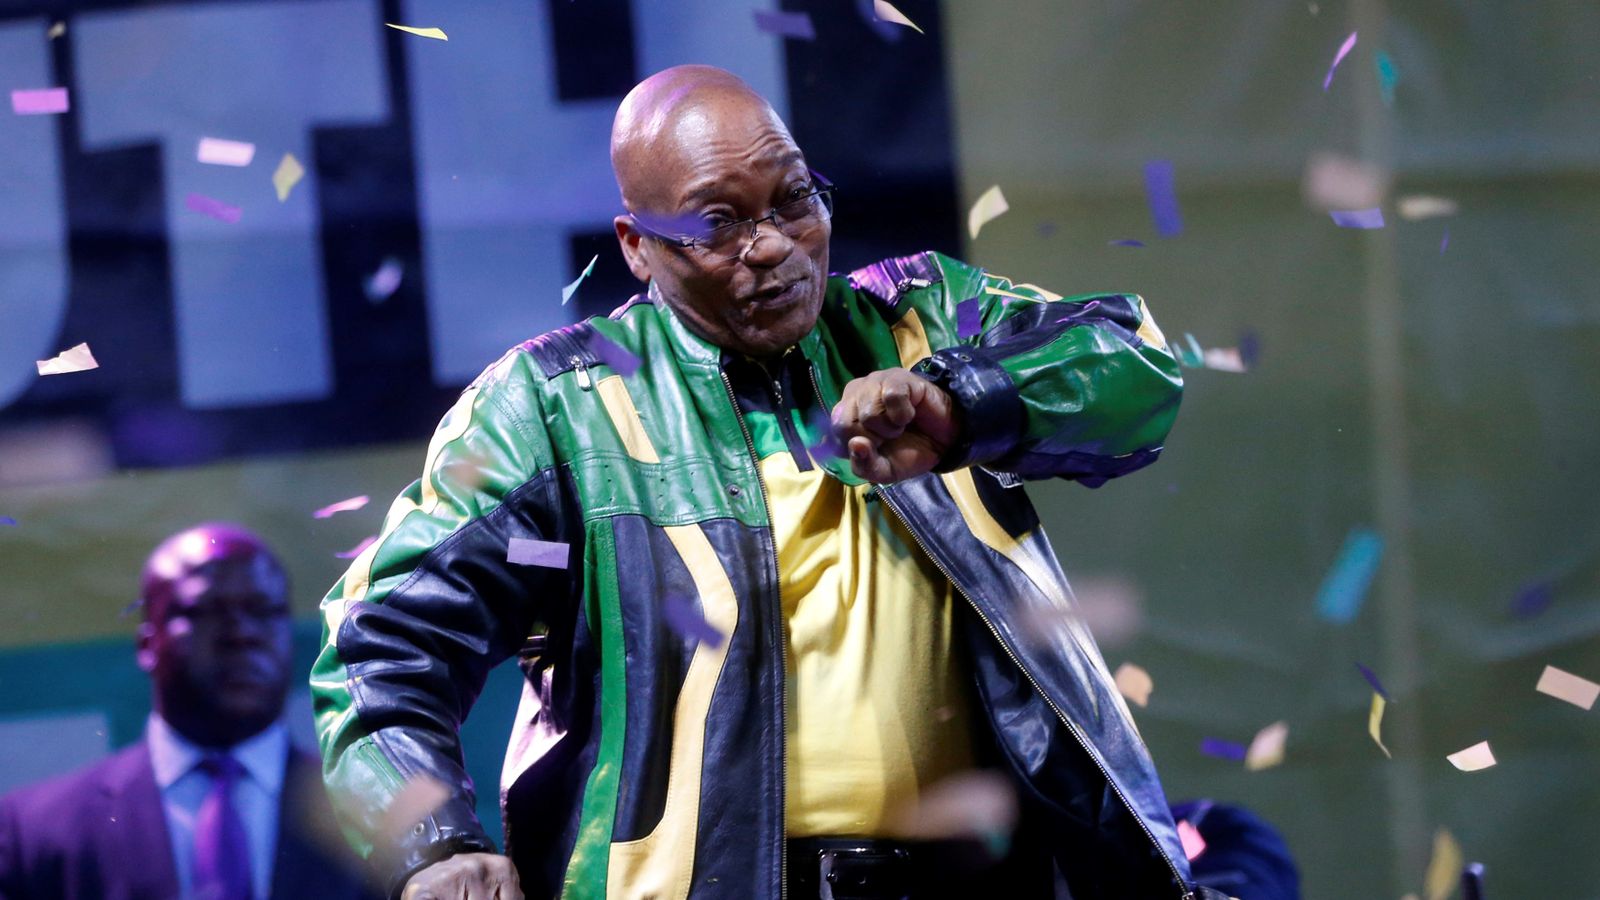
pixel 467 876
pixel 895 425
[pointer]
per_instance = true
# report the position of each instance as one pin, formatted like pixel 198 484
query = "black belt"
pixel 873 869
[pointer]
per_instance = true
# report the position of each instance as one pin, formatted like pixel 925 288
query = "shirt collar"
pixel 173 756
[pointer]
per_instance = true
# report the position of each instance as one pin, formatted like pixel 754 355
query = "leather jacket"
pixel 643 763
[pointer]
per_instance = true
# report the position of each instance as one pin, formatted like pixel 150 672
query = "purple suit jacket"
pixel 100 834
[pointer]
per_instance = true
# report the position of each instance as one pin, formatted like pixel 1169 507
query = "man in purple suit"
pixel 213 803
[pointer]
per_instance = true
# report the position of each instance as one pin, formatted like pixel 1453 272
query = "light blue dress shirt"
pixel 256 796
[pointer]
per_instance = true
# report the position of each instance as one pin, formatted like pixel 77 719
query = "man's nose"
pixel 769 246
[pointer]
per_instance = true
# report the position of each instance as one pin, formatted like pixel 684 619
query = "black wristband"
pixel 989 407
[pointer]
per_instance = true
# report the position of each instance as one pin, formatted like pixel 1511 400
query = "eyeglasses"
pixel 812 206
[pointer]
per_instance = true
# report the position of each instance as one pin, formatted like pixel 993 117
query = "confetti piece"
pixel 349 505
pixel 216 209
pixel 1414 207
pixel 1266 750
pixel 1476 757
pixel 972 804
pixel 287 175
pixel 686 622
pixel 74 359
pixel 435 33
pixel 7 520
pixel 1357 218
pixel 1344 589
pixel 988 207
pixel 1163 198
pixel 1388 77
pixel 886 12
pixel 1249 348
pixel 40 101
pixel 1223 359
pixel 688 225
pixel 1046 229
pixel 1344 50
pixel 1375 723
pixel 1580 692
pixel 358 549
pixel 420 798
pixel 1222 749
pixel 56 30
pixel 1134 683
pixel 384 282
pixel 1125 242
pixel 1193 843
pixel 529 552
pixel 1444 867
pixel 969 318
pixel 221 152
pixel 1372 679
pixel 621 360
pixel 1444 242
pixel 786 24
pixel 569 290
pixel 1332 181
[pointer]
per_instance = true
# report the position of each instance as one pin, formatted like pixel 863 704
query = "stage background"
pixel 1434 380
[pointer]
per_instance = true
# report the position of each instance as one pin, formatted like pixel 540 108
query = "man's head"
pixel 215 636
pixel 696 144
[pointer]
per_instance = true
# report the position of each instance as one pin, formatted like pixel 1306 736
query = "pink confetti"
pixel 529 552
pixel 1193 843
pixel 40 101
pixel 795 25
pixel 353 503
pixel 358 549
pixel 216 209
pixel 1344 50
pixel 221 152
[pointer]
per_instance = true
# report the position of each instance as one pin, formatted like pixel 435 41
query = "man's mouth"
pixel 779 295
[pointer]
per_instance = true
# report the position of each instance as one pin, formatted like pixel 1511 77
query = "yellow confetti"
pixel 75 359
pixel 1445 867
pixel 1422 206
pixel 435 33
pixel 288 174
pixel 1266 750
pixel 1134 683
pixel 56 30
pixel 988 207
pixel 1375 723
pixel 886 12
pixel 1476 757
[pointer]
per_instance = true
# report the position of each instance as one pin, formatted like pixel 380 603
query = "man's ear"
pixel 145 646
pixel 630 239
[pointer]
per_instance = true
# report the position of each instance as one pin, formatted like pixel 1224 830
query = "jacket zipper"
pixel 584 381
pixel 1082 743
pixel 783 683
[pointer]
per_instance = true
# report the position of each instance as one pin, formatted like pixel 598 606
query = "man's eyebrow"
pixel 709 190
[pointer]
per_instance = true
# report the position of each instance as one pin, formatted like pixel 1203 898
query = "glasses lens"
pixel 729 239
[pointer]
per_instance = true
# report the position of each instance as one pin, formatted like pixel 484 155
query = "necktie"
pixel 221 849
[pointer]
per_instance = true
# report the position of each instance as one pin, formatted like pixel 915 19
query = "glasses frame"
pixel 824 192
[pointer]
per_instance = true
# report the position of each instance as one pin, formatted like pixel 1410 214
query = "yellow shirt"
pixel 877 696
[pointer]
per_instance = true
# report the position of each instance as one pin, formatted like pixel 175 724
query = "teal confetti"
pixel 1345 588
pixel 1388 76
pixel 569 290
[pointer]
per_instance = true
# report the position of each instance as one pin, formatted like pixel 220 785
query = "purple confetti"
pixel 1445 242
pixel 1222 749
pixel 7 520
pixel 786 24
pixel 1357 218
pixel 353 503
pixel 826 446
pixel 357 550
pixel 1249 348
pixel 1158 188
pixel 1372 679
pixel 529 552
pixel 621 360
pixel 40 102
pixel 687 225
pixel 1533 599
pixel 216 209
pixel 1125 242
pixel 1344 50
pixel 1047 229
pixel 686 622
pixel 969 318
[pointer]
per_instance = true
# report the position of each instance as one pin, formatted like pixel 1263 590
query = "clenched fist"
pixel 466 876
pixel 895 425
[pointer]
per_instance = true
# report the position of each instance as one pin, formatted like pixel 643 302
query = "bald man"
pixel 213 803
pixel 759 543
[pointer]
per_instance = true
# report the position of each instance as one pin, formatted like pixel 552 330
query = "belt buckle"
pixel 833 866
